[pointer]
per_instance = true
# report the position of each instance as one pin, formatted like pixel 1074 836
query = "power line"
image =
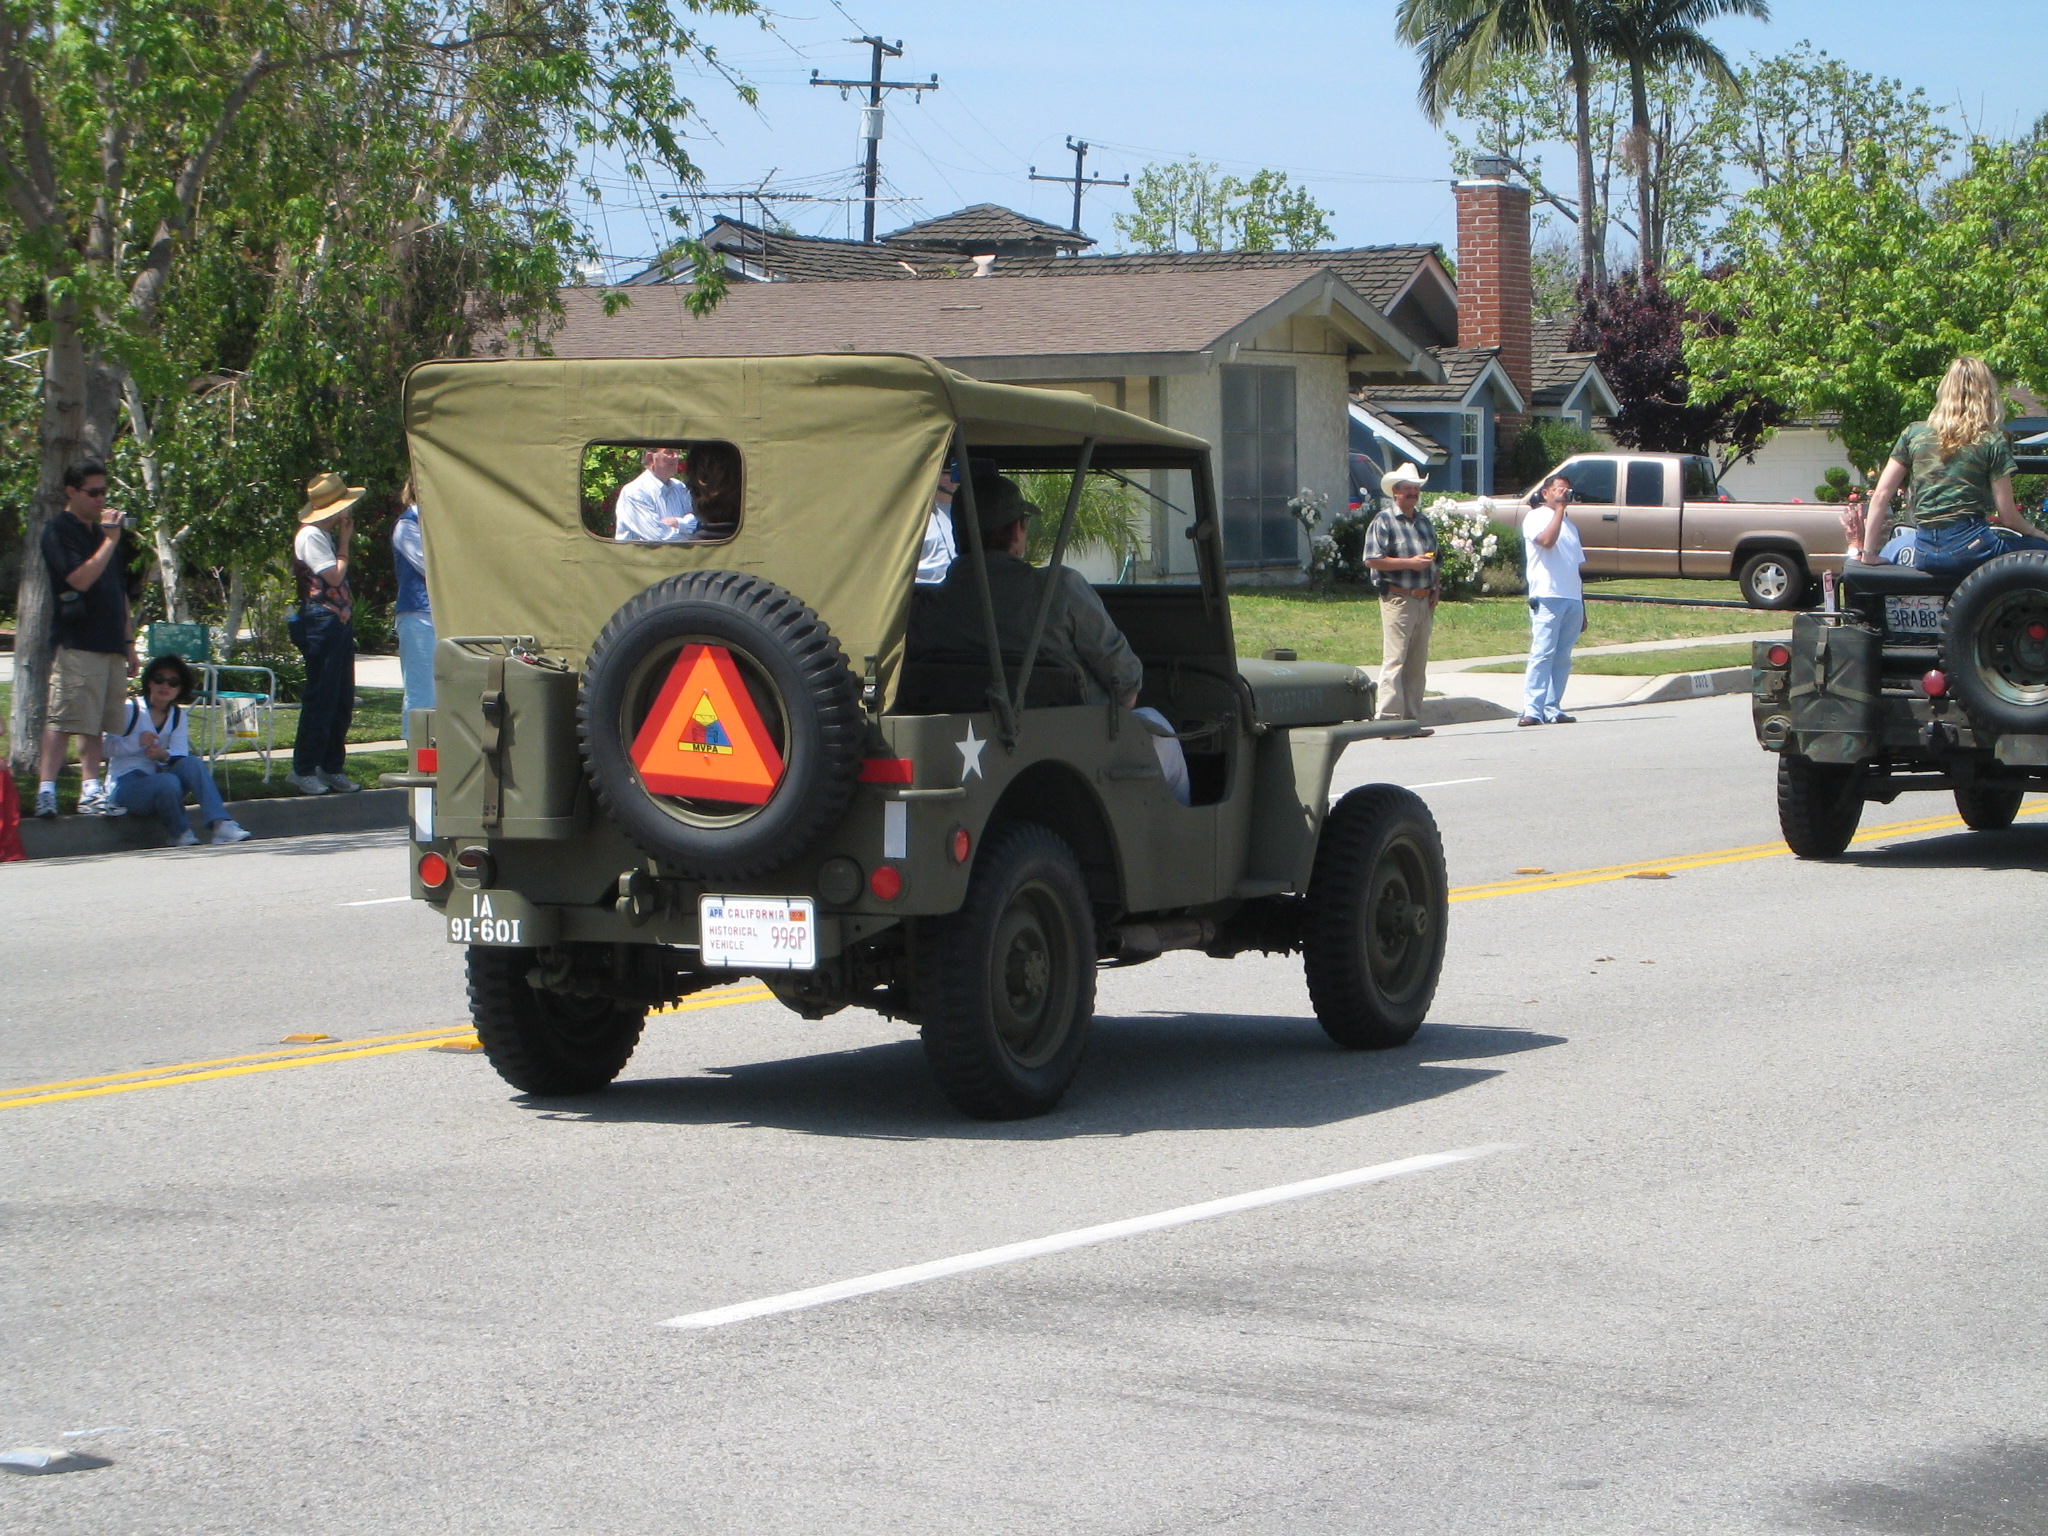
pixel 871 114
pixel 1078 179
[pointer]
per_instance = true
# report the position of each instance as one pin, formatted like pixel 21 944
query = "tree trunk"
pixel 1649 217
pixel 238 604
pixel 170 574
pixel 62 435
pixel 1592 223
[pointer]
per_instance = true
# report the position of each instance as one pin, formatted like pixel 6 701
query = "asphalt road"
pixel 1761 1249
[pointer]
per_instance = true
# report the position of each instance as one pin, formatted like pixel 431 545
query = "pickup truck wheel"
pixel 1987 808
pixel 1007 984
pixel 546 1043
pixel 1378 910
pixel 1774 580
pixel 1818 806
pixel 1994 643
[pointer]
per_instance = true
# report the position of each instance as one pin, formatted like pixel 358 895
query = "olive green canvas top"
pixel 841 457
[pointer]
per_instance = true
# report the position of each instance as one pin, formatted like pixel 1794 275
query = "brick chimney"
pixel 1494 291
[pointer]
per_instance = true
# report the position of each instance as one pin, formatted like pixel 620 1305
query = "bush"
pixel 288 664
pixel 1466 542
pixel 1834 485
pixel 1542 445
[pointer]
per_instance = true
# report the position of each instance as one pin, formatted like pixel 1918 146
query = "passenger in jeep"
pixel 1960 468
pixel 1080 636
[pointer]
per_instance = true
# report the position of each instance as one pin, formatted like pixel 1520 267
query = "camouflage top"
pixel 1959 488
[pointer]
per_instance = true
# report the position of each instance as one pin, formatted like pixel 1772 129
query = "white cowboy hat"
pixel 326 495
pixel 1407 474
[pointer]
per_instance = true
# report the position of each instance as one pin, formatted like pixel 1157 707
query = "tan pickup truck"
pixel 1662 514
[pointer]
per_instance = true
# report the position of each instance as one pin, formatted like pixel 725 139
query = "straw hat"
pixel 1407 474
pixel 326 496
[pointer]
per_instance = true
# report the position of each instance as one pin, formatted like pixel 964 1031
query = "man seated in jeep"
pixel 1080 636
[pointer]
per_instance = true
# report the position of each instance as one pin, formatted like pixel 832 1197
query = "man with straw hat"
pixel 323 630
pixel 1400 551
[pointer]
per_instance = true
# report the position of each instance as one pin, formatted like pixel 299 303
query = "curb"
pixel 1689 685
pixel 71 837
pixel 1465 710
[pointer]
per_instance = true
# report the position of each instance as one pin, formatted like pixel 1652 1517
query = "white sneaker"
pixel 225 831
pixel 90 798
pixel 186 839
pixel 307 783
pixel 46 804
pixel 102 806
pixel 339 783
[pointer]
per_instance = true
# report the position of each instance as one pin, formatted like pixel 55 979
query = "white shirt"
pixel 125 752
pixel 938 553
pixel 1553 572
pixel 655 511
pixel 314 549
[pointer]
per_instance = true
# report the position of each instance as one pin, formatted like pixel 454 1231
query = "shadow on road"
pixel 2019 847
pixel 1143 1072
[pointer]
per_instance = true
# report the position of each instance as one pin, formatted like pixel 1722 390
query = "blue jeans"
pixel 416 661
pixel 1948 549
pixel 1554 627
pixel 164 793
pixel 329 646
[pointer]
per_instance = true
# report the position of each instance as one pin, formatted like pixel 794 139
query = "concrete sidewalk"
pixel 371 671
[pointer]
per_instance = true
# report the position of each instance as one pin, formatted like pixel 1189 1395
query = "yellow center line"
pixel 1600 875
pixel 277 1061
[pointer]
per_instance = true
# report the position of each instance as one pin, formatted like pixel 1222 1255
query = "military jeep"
pixel 1913 681
pixel 656 766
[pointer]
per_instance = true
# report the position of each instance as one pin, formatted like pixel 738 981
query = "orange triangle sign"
pixel 704 737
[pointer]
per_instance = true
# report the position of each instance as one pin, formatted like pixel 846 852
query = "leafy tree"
pixel 1854 286
pixel 1108 518
pixel 1805 111
pixel 363 163
pixel 1460 41
pixel 1636 328
pixel 1544 443
pixel 1188 200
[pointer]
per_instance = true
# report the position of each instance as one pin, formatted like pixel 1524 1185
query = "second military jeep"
pixel 657 766
pixel 1914 681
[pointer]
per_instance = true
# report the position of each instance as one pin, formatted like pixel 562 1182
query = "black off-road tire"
pixel 1773 579
pixel 1987 807
pixel 1818 806
pixel 1377 915
pixel 1006 985
pixel 801 661
pixel 546 1043
pixel 1997 668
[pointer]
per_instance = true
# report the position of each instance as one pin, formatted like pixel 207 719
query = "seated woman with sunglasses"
pixel 150 766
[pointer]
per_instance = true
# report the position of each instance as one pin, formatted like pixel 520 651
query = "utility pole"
pixel 1080 148
pixel 871 115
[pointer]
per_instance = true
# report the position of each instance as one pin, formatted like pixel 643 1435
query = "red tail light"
pixel 886 882
pixel 887 770
pixel 433 871
pixel 962 845
pixel 430 760
pixel 1778 656
pixel 1934 685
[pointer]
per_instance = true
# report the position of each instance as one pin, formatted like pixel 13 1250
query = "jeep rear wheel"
pixel 1988 808
pixel 1378 911
pixel 1007 984
pixel 546 1043
pixel 1818 806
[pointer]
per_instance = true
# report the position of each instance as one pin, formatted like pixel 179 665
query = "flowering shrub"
pixel 1336 546
pixel 1466 542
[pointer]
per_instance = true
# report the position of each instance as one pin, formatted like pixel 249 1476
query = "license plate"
pixel 500 918
pixel 1918 615
pixel 778 933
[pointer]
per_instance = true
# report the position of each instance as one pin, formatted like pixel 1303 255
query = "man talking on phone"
pixel 95 653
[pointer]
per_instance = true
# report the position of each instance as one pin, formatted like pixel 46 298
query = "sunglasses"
pixel 167 682
pixel 93 490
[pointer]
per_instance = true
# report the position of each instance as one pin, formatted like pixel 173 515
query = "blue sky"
pixel 1321 90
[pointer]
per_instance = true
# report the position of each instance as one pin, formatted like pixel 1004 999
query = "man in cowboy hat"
pixel 1400 551
pixel 323 630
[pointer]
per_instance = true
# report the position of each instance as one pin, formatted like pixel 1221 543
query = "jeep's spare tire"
pixel 1994 643
pixel 720 724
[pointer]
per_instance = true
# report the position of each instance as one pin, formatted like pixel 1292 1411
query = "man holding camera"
pixel 95 653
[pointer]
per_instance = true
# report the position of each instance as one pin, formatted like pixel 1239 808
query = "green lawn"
pixel 1692 658
pixel 1665 586
pixel 1345 626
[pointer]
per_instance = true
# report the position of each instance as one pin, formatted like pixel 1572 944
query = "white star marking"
pixel 970 754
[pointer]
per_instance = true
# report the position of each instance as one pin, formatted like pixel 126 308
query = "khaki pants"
pixel 1405 620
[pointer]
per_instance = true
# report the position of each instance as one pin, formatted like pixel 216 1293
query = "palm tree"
pixel 1646 35
pixel 1459 40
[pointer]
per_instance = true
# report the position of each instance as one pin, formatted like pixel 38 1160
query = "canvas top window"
pixel 688 491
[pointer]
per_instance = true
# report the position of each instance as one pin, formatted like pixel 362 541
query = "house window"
pixel 1468 454
pixel 1259 467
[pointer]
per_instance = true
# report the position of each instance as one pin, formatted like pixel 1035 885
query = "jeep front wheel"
pixel 546 1043
pixel 1818 806
pixel 1987 808
pixel 1007 984
pixel 1378 911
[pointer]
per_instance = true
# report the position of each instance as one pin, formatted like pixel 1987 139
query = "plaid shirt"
pixel 1393 536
